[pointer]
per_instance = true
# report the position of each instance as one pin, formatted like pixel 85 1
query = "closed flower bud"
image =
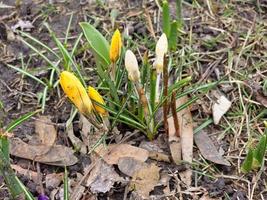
pixel 115 46
pixel 95 96
pixel 75 91
pixel 161 50
pixel 132 66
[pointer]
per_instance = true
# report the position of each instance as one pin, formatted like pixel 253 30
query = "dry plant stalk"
pixel 165 93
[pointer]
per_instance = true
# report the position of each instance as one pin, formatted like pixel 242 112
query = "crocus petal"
pixel 95 96
pixel 131 65
pixel 162 46
pixel 115 46
pixel 75 91
pixel 161 50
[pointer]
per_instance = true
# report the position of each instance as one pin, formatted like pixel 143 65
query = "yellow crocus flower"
pixel 95 96
pixel 115 46
pixel 75 91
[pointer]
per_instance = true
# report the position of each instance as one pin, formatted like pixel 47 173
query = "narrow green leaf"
pixel 173 36
pixel 166 18
pixel 4 146
pixel 28 195
pixel 42 55
pixel 179 13
pixel 27 74
pixel 39 43
pixel 259 152
pixel 247 164
pixel 9 176
pixel 66 185
pixel 17 122
pixel 98 43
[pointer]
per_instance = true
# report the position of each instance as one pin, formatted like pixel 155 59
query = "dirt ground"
pixel 220 39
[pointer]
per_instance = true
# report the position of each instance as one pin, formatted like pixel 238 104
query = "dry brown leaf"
pixel 129 166
pixel 58 155
pixel 261 99
pixel 186 134
pixel 208 149
pixel 174 142
pixel 145 179
pixel 78 194
pixel 53 180
pixel 31 175
pixel 45 130
pixel 112 153
pixel 219 108
pixel 76 142
pixel 89 137
pixel 102 177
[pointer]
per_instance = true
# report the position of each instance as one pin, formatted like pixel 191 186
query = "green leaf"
pixel 98 44
pixel 247 164
pixel 66 185
pixel 179 13
pixel 9 176
pixel 17 122
pixel 260 149
pixel 4 146
pixel 173 35
pixel 27 74
pixel 166 18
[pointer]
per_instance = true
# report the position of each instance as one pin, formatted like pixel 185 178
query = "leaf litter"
pixel 46 151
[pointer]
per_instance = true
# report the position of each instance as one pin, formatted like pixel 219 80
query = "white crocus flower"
pixel 161 50
pixel 132 66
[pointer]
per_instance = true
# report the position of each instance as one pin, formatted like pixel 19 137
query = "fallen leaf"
pixel 174 142
pixel 155 152
pixel 129 166
pixel 53 180
pixel 31 175
pixel 112 153
pixel 102 177
pixel 76 142
pixel 79 192
pixel 89 136
pixel 45 130
pixel 261 99
pixel 208 149
pixel 145 179
pixel 219 108
pixel 186 134
pixel 58 155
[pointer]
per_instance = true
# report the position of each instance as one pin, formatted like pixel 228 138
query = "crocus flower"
pixel 43 197
pixel 161 50
pixel 95 96
pixel 132 66
pixel 115 46
pixel 75 91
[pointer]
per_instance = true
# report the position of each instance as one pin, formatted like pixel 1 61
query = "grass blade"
pixel 17 122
